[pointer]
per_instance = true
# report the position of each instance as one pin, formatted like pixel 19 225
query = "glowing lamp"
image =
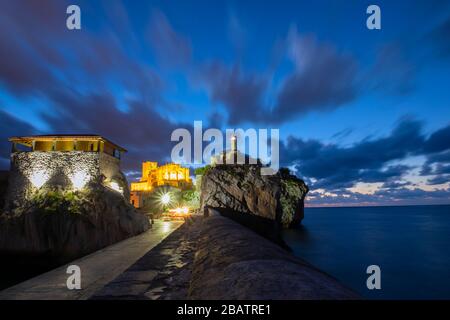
pixel 79 179
pixel 165 198
pixel 38 178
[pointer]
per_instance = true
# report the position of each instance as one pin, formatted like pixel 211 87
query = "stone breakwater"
pixel 233 262
pixel 216 258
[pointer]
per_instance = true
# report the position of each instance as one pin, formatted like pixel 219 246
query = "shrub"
pixel 202 170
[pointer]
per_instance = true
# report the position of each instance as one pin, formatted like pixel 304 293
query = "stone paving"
pixel 162 273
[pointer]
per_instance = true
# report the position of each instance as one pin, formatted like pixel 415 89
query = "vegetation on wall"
pixel 59 201
pixel 191 198
pixel 202 170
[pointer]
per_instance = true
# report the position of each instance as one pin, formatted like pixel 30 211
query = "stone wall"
pixel 68 170
pixel 110 168
pixel 234 263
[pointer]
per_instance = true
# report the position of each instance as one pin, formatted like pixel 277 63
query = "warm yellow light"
pixel 165 198
pixel 166 227
pixel 38 178
pixel 180 210
pixel 140 186
pixel 79 179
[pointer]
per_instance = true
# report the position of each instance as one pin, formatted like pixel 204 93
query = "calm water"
pixel 410 244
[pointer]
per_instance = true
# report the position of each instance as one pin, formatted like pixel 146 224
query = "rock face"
pixel 65 225
pixel 242 188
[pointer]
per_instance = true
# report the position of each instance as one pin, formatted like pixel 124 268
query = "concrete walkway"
pixel 97 269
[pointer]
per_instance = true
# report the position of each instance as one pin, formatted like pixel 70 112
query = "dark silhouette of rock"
pixel 65 225
pixel 4 175
pixel 242 188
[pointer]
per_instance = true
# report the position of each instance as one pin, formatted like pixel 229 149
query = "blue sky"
pixel 363 114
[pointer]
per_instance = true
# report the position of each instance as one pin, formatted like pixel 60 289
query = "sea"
pixel 410 245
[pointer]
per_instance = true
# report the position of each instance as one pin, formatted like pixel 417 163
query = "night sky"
pixel 364 115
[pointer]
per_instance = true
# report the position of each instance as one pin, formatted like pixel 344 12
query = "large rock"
pixel 65 225
pixel 242 188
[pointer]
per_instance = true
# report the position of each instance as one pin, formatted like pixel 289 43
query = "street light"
pixel 165 199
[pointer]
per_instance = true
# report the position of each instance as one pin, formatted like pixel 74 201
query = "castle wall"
pixel 110 168
pixel 33 170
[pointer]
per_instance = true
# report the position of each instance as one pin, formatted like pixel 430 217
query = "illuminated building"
pixel 68 162
pixel 154 176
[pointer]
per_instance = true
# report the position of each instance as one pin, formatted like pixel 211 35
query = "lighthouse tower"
pixel 233 144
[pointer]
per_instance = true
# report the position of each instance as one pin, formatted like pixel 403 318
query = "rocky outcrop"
pixel 242 188
pixel 234 263
pixel 68 224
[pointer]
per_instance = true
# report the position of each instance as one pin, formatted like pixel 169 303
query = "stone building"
pixel 68 162
pixel 153 176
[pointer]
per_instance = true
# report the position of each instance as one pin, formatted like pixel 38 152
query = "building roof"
pixel 28 140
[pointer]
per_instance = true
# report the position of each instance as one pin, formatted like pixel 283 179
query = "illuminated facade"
pixel 69 162
pixel 154 176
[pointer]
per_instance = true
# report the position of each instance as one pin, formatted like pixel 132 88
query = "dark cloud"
pixel 392 71
pixel 342 134
pixel 440 39
pixel 440 179
pixel 394 184
pixel 10 126
pixel 170 47
pixel 216 120
pixel 437 148
pixel 23 51
pixel 140 129
pixel 90 81
pixel 438 141
pixel 397 196
pixel 324 78
pixel 417 194
pixel 241 94
pixel 334 167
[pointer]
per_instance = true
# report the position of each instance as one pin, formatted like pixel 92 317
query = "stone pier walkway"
pixel 97 269
pixel 163 273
